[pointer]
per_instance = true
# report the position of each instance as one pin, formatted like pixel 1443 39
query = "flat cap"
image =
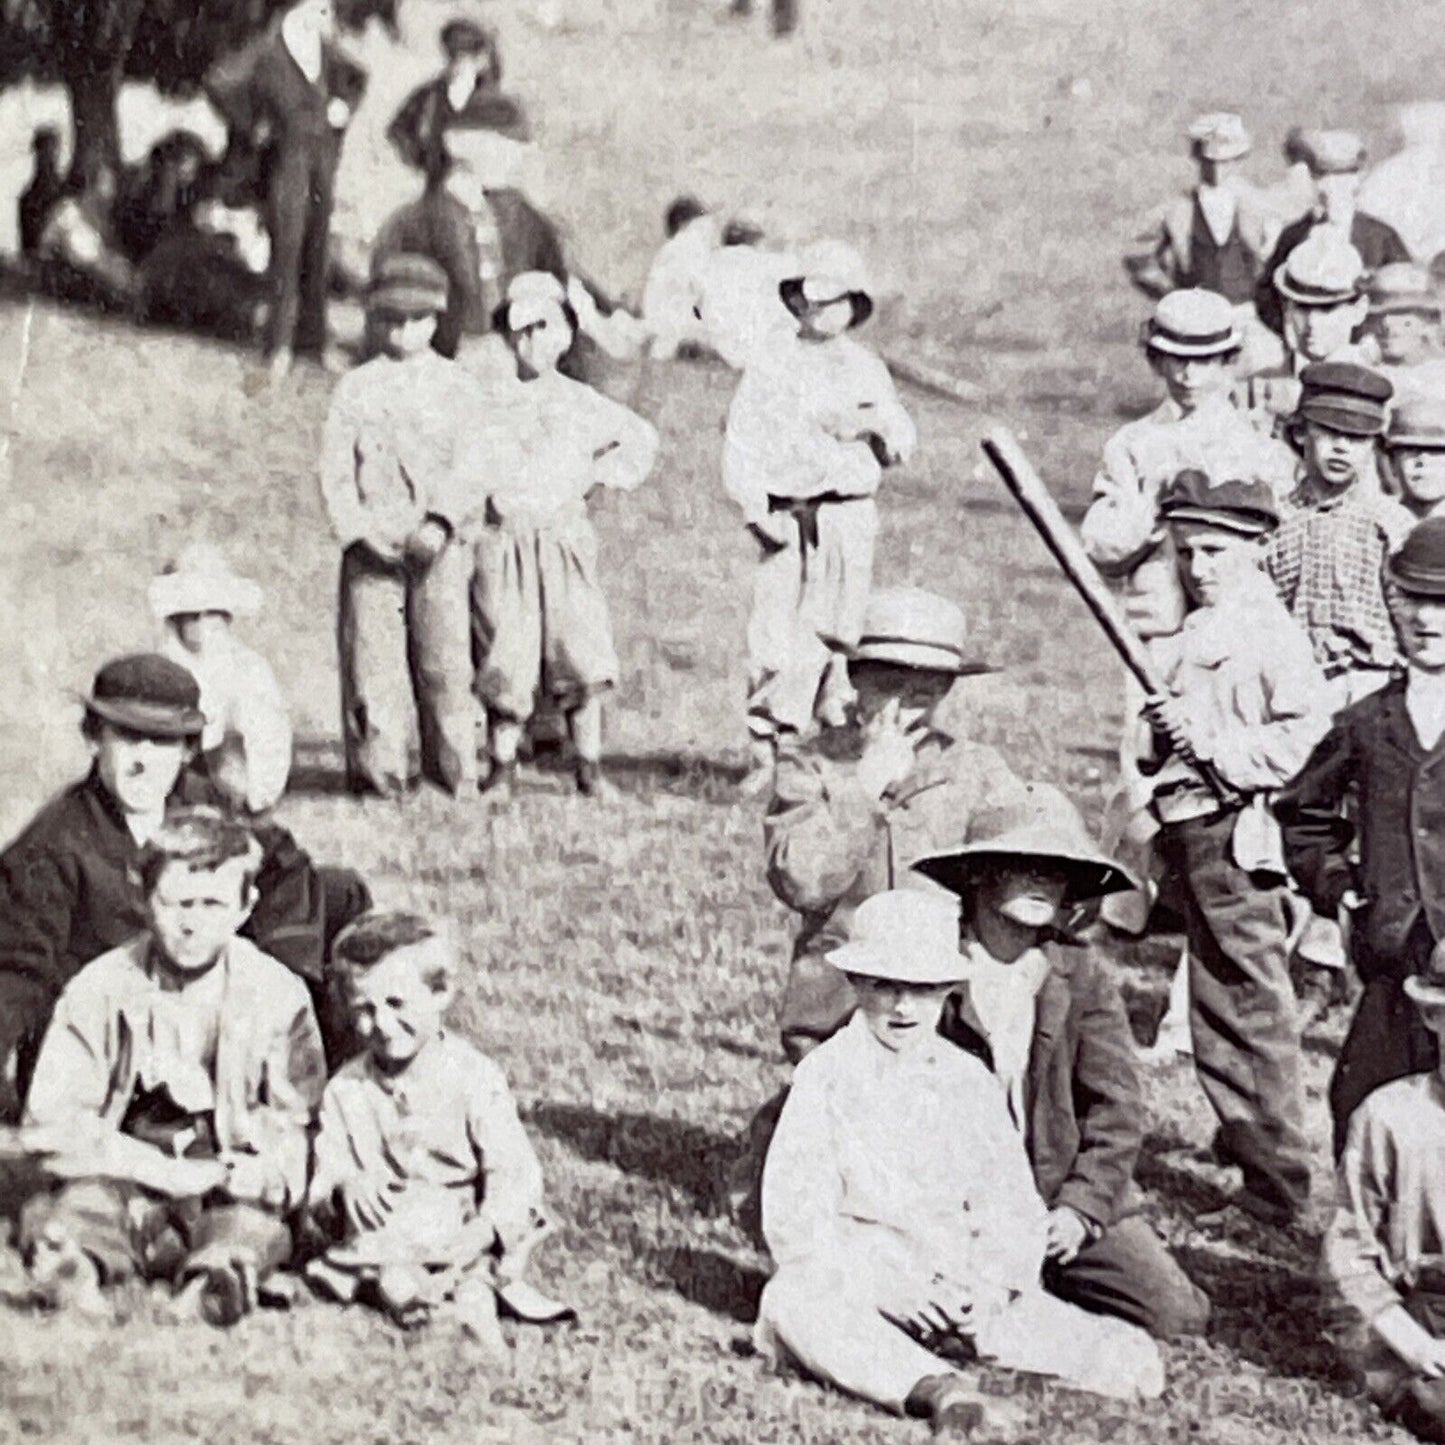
pixel 1193 322
pixel 1233 503
pixel 407 284
pixel 1418 564
pixel 1344 397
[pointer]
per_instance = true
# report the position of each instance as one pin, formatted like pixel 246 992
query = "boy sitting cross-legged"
pixel 173 1092
pixel 425 1179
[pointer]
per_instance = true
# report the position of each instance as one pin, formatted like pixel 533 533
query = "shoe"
pixel 223 1297
pixel 496 787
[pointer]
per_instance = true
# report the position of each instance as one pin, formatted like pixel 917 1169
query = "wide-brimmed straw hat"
pixel 200 579
pixel 1323 270
pixel 906 935
pixel 532 296
pixel 1040 825
pixel 1331 152
pixel 910 627
pixel 1428 986
pixel 1193 322
pixel 148 694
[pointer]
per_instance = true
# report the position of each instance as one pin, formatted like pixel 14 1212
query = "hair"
pixel 92 725
pixel 681 211
pixel 741 233
pixel 501 319
pixel 377 934
pixel 202 838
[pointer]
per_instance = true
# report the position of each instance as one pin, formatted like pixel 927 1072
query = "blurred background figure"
pixel 1407 190
pixel 783 14
pixel 47 187
pixel 77 252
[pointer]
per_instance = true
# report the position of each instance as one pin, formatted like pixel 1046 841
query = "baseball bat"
pixel 1038 505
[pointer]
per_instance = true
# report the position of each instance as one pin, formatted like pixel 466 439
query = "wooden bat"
pixel 1038 505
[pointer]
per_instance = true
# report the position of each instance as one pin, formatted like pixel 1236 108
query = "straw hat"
pixel 904 935
pixel 1193 322
pixel 909 627
pixel 1038 825
pixel 1219 136
pixel 1331 152
pixel 1323 270
pixel 200 580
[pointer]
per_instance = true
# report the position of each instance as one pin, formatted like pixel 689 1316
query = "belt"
pixel 804 511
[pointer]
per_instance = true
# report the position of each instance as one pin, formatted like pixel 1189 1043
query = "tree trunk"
pixel 93 95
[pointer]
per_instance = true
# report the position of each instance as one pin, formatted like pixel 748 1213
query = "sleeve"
pixel 1150 261
pixel 1283 561
pixel 334 1160
pixel 407 131
pixel 262 722
pixel 624 448
pixel 1121 526
pixel 339 440
pixel 1108 1103
pixel 745 443
pixel 885 413
pixel 72 1077
pixel 295 1079
pixel 820 831
pixel 1267 300
pixel 1256 756
pixel 231 86
pixel 507 1164
pixel 289 920
pixel 1393 246
pixel 1354 1250
pixel 1312 816
pixel 802 1189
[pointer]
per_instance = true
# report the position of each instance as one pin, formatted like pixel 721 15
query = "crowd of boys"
pixel 950 1175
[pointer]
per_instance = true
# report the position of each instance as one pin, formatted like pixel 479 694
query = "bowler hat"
pixel 1323 270
pixel 148 694
pixel 1233 503
pixel 1193 322
pixel 1428 986
pixel 1344 397
pixel 1402 286
pixel 200 579
pixel 1331 152
pixel 1219 136
pixel 407 285
pixel 1417 565
pixel 1039 825
pixel 1417 420
pixel 909 627
pixel 906 935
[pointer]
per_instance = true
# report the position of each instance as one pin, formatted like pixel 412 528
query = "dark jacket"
pixel 69 891
pixel 416 130
pixel 1378 243
pixel 1371 764
pixel 1083 1094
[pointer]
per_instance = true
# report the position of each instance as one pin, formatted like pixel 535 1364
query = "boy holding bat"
pixel 1246 702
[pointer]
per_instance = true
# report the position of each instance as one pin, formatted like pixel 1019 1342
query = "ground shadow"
pixel 317 769
pixel 683 775
pixel 671 1152
pixel 719 1283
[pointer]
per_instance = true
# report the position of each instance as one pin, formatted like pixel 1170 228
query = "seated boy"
pixel 1048 1022
pixel 898 1204
pixel 173 1092
pixel 1384 1251
pixel 425 1181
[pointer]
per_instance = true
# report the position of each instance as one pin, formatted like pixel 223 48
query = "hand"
pixel 889 753
pixel 883 454
pixel 1170 719
pixel 1416 1347
pixel 425 544
pixel 189 1178
pixel 1067 1234
pixel 933 1307
pixel 773 532
pixel 367 1201
pixel 245 1177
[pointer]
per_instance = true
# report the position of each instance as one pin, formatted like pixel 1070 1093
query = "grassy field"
pixel 625 961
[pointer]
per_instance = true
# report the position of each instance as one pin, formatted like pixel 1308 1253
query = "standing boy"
pixel 396 484
pixel 1327 554
pixel 813 424
pixel 1364 824
pixel 1245 700
pixel 173 1094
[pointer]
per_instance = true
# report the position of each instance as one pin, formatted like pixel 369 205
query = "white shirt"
pixel 1001 1003
pixel 1218 205
pixel 303 46
pixel 1425 703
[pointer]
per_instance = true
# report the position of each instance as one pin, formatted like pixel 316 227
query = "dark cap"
pixel 147 694
pixel 1344 397
pixel 407 285
pixel 1233 504
pixel 466 37
pixel 1418 564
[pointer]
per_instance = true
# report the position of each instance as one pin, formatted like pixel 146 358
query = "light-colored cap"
pixel 905 935
pixel 200 579
pixel 1331 152
pixel 909 627
pixel 1219 136
pixel 531 297
pixel 1417 420
pixel 1193 322
pixel 1402 286
pixel 1323 270
pixel 831 270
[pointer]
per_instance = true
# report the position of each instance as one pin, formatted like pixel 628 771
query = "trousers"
pixel 829 1316
pixel 298 219
pixel 1242 1010
pixel 405 644
pixel 130 1232
pixel 805 592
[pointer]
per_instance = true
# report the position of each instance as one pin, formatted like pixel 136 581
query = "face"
pixel 137 771
pixel 901 1016
pixel 1318 332
pixel 200 631
pixel 1210 560
pixel 1029 895
pixel 194 912
pixel 1420 621
pixel 395 1007
pixel 916 692
pixel 1335 195
pixel 1190 380
pixel 1334 458
pixel 542 345
pixel 830 319
pixel 1405 337
pixel 401 336
pixel 1421 474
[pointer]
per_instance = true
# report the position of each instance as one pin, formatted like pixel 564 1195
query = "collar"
pixel 1310 493
pixel 1025 974
pixel 311 60
pixel 155 967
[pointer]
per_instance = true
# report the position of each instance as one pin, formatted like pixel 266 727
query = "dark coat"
pixel 416 130
pixel 1378 243
pixel 1372 758
pixel 1083 1094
